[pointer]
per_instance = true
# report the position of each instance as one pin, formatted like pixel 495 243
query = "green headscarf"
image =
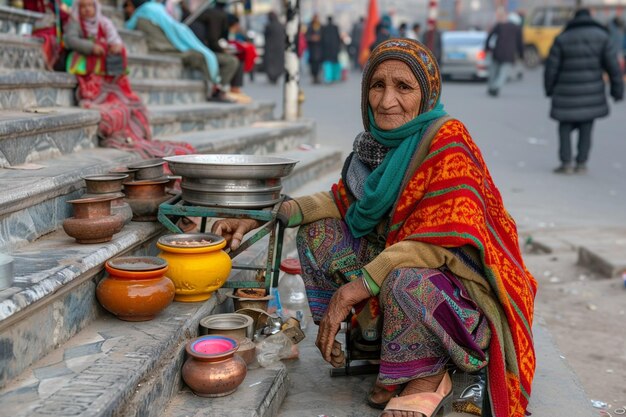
pixel 383 183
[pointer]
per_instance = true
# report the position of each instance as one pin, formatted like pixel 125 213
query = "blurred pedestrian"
pixel 314 45
pixel 355 42
pixel 382 34
pixel 416 31
pixel 505 44
pixel 573 77
pixel 166 36
pixel 432 39
pixel 331 45
pixel 246 54
pixel 275 43
pixel 211 27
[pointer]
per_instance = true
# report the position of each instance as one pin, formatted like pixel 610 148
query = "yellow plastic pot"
pixel 198 265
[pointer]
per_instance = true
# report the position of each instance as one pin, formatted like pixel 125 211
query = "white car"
pixel 463 55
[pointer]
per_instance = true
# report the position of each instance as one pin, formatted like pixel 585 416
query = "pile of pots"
pixel 114 199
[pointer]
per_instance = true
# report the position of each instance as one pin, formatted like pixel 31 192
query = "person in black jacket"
pixel 505 43
pixel 573 77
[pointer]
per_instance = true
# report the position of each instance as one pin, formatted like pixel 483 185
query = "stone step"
pixel 21 52
pixel 186 118
pixel 54 285
pixel 44 133
pixel 141 66
pixel 134 41
pixel 17 21
pixel 25 89
pixel 172 91
pixel 259 138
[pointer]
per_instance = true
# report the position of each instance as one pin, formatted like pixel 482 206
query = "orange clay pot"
pixel 135 295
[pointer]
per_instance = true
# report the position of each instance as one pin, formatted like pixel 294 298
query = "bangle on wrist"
pixel 367 286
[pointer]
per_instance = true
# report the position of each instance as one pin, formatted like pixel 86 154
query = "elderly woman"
pixel 417 222
pixel 98 59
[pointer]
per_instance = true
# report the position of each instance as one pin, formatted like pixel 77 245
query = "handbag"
pixel 115 64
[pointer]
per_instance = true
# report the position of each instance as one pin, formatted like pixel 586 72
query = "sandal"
pixel 426 403
pixel 376 390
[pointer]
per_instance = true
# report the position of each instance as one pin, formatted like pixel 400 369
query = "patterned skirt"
pixel 428 320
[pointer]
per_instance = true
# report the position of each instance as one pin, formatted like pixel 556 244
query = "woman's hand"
pixel 233 230
pixel 98 50
pixel 339 307
pixel 116 48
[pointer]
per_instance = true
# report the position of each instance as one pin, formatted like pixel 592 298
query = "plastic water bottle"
pixel 292 292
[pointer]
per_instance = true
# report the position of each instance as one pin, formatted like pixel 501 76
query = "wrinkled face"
pixel 394 94
pixel 87 9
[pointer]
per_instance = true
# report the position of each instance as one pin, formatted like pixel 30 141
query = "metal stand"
pixel 175 208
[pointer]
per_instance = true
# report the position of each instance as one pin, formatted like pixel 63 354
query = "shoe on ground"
pixel 220 97
pixel 239 97
pixel 493 92
pixel 580 169
pixel 565 169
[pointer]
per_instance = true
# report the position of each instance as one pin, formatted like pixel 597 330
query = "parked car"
pixel 546 22
pixel 463 55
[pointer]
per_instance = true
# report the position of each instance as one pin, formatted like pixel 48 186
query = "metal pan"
pixel 230 166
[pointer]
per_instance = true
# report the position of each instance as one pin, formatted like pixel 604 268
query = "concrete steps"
pixel 168 119
pixel 26 89
pixel 21 52
pixel 44 133
pixel 53 264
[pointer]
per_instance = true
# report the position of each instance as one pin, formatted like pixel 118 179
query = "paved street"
pixel 518 141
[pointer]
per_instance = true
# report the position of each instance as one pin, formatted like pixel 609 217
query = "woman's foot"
pixel 380 395
pixel 434 386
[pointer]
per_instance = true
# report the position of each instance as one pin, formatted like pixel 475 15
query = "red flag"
pixel 369 32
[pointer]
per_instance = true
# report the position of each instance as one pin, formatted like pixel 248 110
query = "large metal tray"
pixel 226 166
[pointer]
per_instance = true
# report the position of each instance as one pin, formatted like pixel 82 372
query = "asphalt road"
pixel 518 141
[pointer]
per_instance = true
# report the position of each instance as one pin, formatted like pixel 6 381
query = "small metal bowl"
pixel 148 169
pixel 235 325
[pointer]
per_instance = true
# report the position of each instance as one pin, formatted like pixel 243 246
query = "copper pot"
pixel 146 188
pixel 103 184
pixel 93 230
pixel 92 207
pixel 212 369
